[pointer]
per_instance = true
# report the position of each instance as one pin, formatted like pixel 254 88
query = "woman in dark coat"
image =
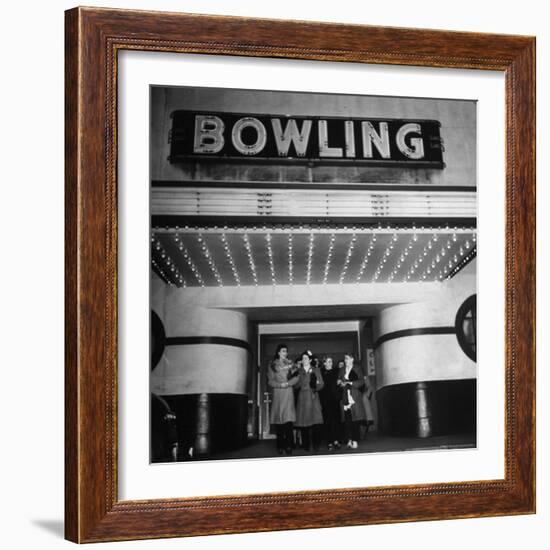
pixel 351 381
pixel 309 416
pixel 282 375
pixel 330 403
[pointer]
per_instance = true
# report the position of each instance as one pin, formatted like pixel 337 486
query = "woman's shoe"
pixel 349 444
pixel 354 445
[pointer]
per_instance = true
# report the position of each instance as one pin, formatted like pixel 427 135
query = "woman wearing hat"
pixel 350 380
pixel 309 416
pixel 282 376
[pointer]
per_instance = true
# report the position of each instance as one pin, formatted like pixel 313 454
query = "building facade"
pixel 329 222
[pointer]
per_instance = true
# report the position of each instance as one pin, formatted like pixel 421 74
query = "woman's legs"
pixel 330 429
pixel 347 427
pixel 332 424
pixel 355 431
pixel 285 439
pixel 351 430
pixel 312 436
pixel 280 431
pixel 306 438
pixel 335 429
pixel 288 437
pixel 317 435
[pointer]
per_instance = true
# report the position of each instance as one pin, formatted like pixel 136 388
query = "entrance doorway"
pixel 333 344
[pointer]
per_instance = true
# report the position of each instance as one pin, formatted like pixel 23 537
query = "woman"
pixel 309 417
pixel 353 411
pixel 330 402
pixel 282 376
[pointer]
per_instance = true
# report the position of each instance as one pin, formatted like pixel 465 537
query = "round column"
pixel 203 375
pixel 424 425
pixel 426 383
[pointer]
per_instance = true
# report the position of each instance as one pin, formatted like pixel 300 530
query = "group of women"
pixel 309 397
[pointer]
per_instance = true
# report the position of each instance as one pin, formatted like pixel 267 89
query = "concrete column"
pixel 424 419
pixel 202 439
pixel 417 342
pixel 203 374
pixel 423 375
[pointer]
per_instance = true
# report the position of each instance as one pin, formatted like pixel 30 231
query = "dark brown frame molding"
pixel 93 39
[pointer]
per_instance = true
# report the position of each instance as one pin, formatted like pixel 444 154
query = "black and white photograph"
pixel 313 275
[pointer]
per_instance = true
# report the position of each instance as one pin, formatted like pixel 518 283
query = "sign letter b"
pixel 208 134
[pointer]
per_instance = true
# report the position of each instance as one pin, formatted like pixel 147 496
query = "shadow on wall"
pixel 55 527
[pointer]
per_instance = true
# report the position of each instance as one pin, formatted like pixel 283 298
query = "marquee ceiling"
pixel 246 256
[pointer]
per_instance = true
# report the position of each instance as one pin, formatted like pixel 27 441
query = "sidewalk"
pixel 372 444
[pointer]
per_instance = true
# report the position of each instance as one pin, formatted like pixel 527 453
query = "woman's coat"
pixel 282 406
pixel 308 408
pixel 367 403
pixel 354 383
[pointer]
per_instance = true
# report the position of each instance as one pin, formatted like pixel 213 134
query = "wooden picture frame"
pixel 93 511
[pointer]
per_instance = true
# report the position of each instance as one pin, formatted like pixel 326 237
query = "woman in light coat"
pixel 282 376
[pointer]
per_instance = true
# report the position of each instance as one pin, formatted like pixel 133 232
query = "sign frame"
pixel 186 146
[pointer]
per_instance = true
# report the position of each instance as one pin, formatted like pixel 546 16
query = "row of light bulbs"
pixel 188 260
pixel 329 258
pixel 437 259
pixel 170 271
pixel 270 258
pixel 365 260
pixel 229 256
pixel 290 260
pixel 385 257
pixel 416 264
pixel 349 254
pixel 403 258
pixel 169 265
pixel 167 279
pixel 209 259
pixel 310 250
pixel 324 228
pixel 456 259
pixel 251 263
